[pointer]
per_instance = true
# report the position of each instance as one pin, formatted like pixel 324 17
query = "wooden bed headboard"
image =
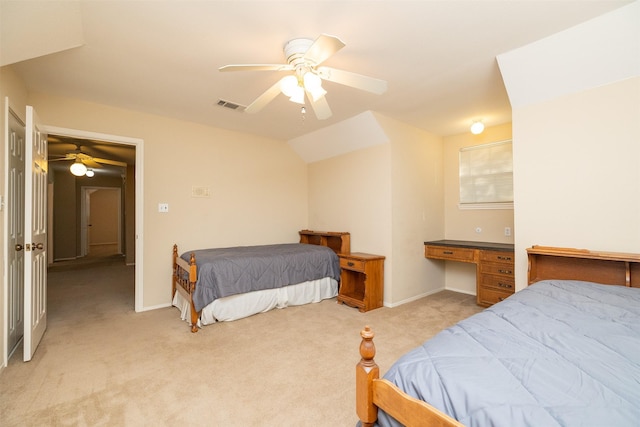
pixel 340 242
pixel 609 268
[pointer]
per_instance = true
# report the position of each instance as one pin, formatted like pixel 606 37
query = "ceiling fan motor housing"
pixel 294 51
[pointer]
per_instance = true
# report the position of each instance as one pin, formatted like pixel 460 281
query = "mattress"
pixel 244 305
pixel 558 353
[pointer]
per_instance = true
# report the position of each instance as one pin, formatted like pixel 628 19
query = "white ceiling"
pixel 162 57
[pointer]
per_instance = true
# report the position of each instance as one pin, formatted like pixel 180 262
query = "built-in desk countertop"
pixel 494 262
pixel 490 246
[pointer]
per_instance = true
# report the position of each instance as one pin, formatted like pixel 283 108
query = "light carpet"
pixel 102 364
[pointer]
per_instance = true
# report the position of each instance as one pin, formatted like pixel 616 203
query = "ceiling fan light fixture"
pixel 288 85
pixel 313 84
pixel 78 168
pixel 298 95
pixel 477 127
pixel 90 173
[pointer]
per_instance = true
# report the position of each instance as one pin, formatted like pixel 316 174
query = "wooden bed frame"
pixel 611 268
pixel 185 274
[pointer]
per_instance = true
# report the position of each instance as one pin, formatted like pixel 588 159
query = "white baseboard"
pixel 414 298
pixel 155 307
pixel 461 291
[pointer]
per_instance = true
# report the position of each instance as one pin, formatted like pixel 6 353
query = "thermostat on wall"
pixel 200 192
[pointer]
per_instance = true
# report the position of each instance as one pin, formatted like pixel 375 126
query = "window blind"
pixel 486 173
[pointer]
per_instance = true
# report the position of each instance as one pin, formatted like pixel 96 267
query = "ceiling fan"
pixel 304 57
pixel 84 162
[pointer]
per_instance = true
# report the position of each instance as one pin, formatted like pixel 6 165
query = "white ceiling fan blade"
pixel 320 107
pixel 256 67
pixel 110 162
pixel 264 99
pixel 357 81
pixel 322 48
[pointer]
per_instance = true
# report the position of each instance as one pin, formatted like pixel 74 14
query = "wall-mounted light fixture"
pixel 477 127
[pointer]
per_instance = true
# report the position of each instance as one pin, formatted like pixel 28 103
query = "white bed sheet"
pixel 236 307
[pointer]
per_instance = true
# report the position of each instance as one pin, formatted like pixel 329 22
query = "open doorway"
pixel 76 225
pixel 105 156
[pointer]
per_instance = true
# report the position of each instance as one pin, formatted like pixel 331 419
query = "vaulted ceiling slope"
pixel 162 57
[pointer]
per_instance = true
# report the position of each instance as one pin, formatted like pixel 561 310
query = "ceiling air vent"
pixel 231 105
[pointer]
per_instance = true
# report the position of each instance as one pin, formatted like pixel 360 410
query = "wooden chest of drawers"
pixel 495 279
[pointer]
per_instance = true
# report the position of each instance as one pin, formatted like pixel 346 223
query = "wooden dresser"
pixel 495 279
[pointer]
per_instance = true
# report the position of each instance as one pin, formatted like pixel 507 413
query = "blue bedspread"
pixel 224 272
pixel 558 353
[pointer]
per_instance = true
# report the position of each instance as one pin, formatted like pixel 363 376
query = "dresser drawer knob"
pixel 447 252
pixel 505 271
pixel 504 258
pixel 505 285
pixel 350 264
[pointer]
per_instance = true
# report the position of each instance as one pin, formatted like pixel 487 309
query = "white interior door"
pixel 15 228
pixel 35 220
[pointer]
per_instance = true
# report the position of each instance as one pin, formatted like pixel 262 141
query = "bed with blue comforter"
pixel 558 353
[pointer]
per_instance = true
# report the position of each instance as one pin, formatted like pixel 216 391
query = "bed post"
pixel 173 276
pixel 193 276
pixel 366 372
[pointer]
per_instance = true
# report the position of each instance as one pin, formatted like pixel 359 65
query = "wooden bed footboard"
pixel 183 281
pixel 373 393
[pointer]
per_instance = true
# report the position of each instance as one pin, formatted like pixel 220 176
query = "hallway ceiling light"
pixel 477 127
pixel 78 168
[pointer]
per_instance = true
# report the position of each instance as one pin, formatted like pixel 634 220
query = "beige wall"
pixel 352 193
pixel 417 210
pixel 389 197
pixel 258 186
pixel 577 172
pixel 461 224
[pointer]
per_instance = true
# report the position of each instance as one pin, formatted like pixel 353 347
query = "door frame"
pixel 138 143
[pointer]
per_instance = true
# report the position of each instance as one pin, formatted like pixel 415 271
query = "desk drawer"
pixel 498 269
pixel 351 264
pixel 500 283
pixel 497 256
pixel 450 253
pixel 487 297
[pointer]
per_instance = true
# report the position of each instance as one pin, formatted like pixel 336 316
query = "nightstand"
pixel 361 280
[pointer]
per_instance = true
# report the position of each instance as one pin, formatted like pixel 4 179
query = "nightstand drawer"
pixel 497 256
pixel 351 264
pixel 505 284
pixel 498 269
pixel 450 253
